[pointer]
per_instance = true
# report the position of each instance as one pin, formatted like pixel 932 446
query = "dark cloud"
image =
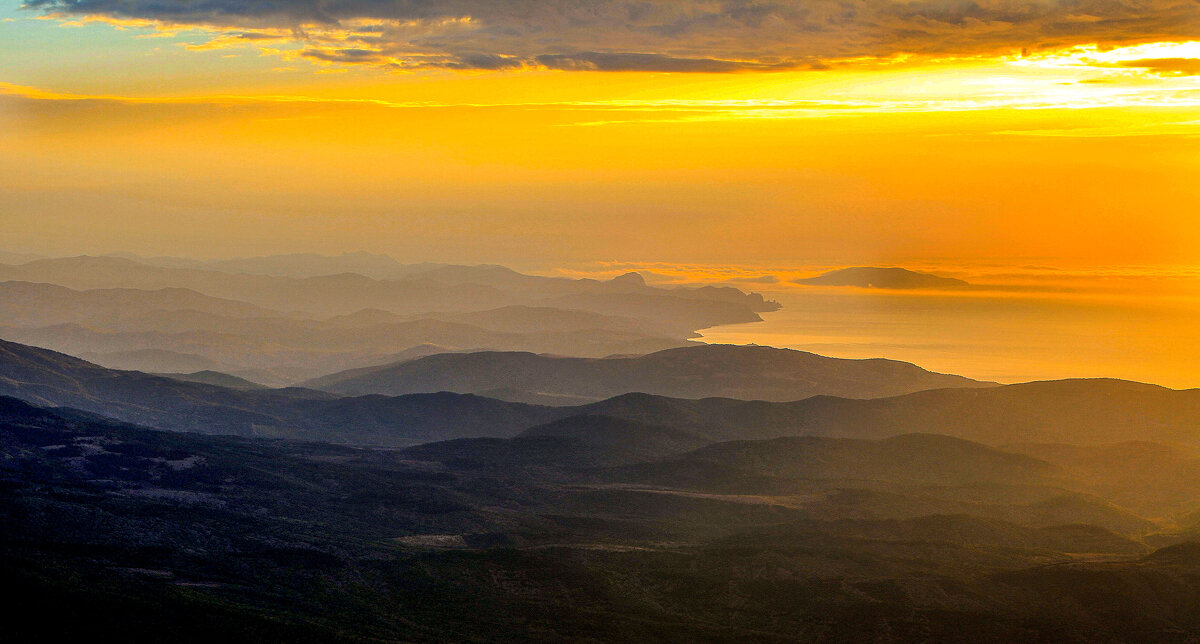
pixel 253 35
pixel 343 55
pixel 635 62
pixel 485 61
pixel 664 35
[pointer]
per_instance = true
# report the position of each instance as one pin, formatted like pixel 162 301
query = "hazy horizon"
pixel 1017 323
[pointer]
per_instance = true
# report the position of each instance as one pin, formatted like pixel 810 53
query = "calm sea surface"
pixel 1006 337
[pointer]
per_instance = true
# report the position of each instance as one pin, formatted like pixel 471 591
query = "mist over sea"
pixel 1095 327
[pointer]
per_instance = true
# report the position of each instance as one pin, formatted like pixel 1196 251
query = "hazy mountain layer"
pixel 452 288
pixel 183 316
pixel 297 350
pixel 179 330
pixel 147 360
pixel 28 304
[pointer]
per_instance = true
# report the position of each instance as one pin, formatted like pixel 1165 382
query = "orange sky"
pixel 180 137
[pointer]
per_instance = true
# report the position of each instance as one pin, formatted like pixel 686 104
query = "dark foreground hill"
pixel 120 532
pixel 573 442
pixel 1089 411
pixel 746 372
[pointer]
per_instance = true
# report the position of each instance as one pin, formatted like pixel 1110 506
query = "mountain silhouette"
pixel 699 371
pixel 885 278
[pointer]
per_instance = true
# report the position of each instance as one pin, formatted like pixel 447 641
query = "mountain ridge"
pixel 1081 411
pixel 697 371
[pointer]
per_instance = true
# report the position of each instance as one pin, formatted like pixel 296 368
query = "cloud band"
pixel 654 35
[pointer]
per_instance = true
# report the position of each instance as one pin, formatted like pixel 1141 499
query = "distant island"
pixel 889 278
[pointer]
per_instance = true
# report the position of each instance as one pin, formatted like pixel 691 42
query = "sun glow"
pixel 1131 60
pixel 936 154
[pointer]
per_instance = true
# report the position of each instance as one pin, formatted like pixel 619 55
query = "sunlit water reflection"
pixel 1002 337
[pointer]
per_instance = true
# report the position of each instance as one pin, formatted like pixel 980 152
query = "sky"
pixel 571 131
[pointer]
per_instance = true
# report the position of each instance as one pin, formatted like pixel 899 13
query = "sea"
pixel 1123 323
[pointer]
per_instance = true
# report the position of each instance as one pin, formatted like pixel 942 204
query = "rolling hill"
pixel 746 372
pixel 49 378
pixel 1067 411
pixel 1086 411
